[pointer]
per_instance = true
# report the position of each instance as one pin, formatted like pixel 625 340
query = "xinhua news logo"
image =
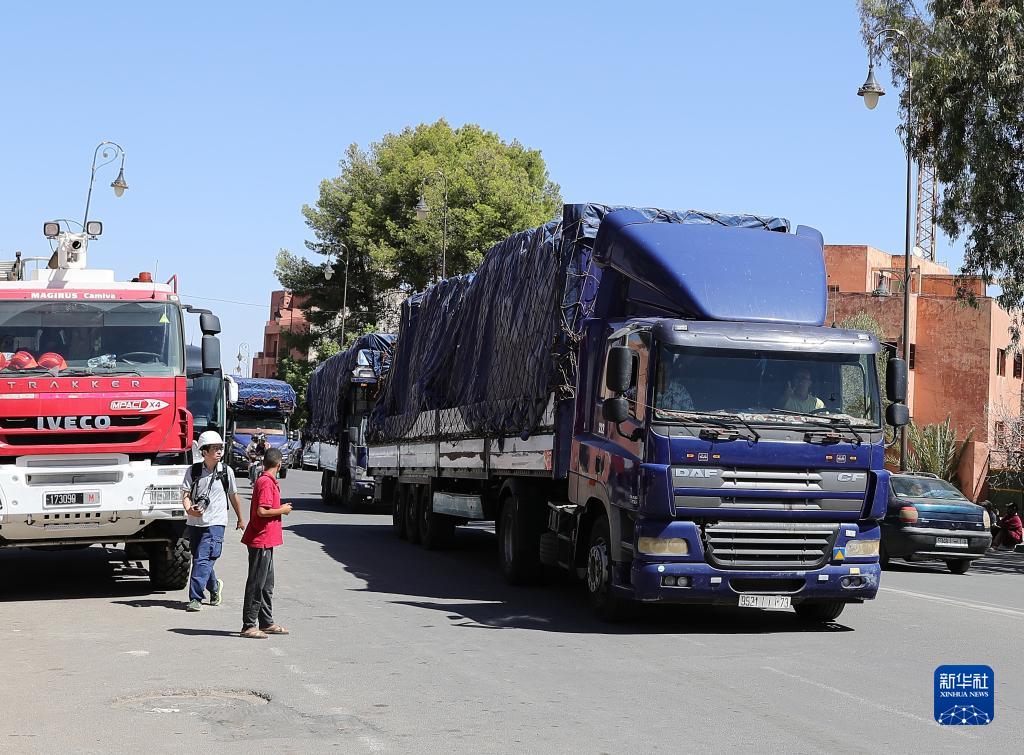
pixel 964 695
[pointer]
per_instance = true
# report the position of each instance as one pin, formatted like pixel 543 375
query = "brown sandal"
pixel 253 633
pixel 274 629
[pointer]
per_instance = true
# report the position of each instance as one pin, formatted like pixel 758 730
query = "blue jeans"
pixel 206 544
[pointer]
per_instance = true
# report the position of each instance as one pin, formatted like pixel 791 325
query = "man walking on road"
pixel 207 487
pixel 261 536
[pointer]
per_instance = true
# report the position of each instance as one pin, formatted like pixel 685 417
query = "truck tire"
pixel 398 512
pixel 326 492
pixel 169 564
pixel 412 512
pixel 606 604
pixel 518 542
pixel 436 530
pixel 819 612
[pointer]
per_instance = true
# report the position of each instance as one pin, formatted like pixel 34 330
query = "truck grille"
pixel 764 545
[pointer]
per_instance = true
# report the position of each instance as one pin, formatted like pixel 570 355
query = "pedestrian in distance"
pixel 261 537
pixel 206 491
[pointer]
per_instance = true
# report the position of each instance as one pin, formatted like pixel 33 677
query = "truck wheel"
pixel 169 564
pixel 606 604
pixel 412 513
pixel 958 565
pixel 518 543
pixel 820 611
pixel 398 511
pixel 436 530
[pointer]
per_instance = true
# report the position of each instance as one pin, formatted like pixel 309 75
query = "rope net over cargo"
pixel 489 353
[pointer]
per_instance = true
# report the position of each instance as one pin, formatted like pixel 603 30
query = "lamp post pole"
pixel 110 153
pixel 871 90
pixel 344 298
pixel 423 211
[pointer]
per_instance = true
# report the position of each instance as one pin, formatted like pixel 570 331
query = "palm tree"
pixel 935 449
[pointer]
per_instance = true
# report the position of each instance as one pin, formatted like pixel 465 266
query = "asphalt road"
pixel 396 649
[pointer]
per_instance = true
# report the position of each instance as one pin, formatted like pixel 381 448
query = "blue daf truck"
pixel 650 400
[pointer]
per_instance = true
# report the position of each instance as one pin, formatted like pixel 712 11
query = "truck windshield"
pixel 260 424
pixel 91 337
pixel 774 387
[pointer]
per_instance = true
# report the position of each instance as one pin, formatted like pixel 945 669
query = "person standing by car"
pixel 208 487
pixel 261 537
pixel 1010 529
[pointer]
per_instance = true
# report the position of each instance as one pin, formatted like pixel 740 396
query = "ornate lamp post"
pixel 871 90
pixel 110 152
pixel 328 274
pixel 423 212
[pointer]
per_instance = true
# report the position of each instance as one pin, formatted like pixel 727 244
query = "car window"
pixel 925 487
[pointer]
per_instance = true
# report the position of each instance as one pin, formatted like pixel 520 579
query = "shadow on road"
pixel 465 585
pixel 203 632
pixel 93 572
pixel 994 562
pixel 149 603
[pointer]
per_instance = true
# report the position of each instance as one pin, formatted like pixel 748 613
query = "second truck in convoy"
pixel 650 400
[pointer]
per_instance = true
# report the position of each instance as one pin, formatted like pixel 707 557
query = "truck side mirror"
pixel 896 381
pixel 211 355
pixel 232 391
pixel 619 374
pixel 209 323
pixel 615 409
pixel 897 415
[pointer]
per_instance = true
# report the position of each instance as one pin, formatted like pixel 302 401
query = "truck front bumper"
pixel 850 582
pixel 89 498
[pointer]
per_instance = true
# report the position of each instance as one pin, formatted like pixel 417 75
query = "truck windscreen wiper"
pixel 832 421
pixel 722 420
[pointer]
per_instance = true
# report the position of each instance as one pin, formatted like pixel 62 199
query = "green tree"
pixel 935 449
pixel 297 372
pixel 864 321
pixel 968 110
pixel 494 188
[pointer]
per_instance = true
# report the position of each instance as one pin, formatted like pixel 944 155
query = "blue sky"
pixel 231 114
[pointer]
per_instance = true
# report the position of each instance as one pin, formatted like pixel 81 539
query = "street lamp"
pixel 423 212
pixel 110 152
pixel 871 90
pixel 328 274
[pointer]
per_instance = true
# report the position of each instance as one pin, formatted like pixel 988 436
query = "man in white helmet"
pixel 208 487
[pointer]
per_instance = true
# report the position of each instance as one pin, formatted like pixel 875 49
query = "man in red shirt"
pixel 262 535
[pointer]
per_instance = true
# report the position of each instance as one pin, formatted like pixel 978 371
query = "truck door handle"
pixel 599 464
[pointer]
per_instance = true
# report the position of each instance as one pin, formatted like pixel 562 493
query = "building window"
pixel 833 289
pixel 1018 365
pixel 1001 362
pixel 913 356
pixel 1000 435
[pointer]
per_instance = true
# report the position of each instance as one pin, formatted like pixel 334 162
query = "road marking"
pixel 954 602
pixel 319 691
pixel 136 652
pixel 869 703
pixel 277 651
pixel 373 744
pixel 295 669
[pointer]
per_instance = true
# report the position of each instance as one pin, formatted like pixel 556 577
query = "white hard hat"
pixel 210 438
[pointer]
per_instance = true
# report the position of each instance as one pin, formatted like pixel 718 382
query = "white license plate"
pixel 951 542
pixel 78 498
pixel 765 601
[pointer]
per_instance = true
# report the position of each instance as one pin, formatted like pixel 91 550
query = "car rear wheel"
pixel 958 565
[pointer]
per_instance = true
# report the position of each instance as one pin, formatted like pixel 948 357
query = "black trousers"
pixel 259 589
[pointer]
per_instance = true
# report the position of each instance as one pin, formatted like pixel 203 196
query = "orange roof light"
pixel 145 278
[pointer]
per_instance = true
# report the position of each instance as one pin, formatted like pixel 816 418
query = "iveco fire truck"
pixel 94 430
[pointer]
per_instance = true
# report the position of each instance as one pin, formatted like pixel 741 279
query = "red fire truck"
pixel 95 435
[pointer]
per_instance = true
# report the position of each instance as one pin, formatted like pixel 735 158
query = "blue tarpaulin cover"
pixel 264 395
pixel 497 343
pixel 373 351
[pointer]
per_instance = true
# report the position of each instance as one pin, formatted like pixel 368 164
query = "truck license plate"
pixel 951 542
pixel 78 498
pixel 765 601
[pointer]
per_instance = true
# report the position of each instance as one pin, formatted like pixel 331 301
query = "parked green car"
pixel 928 519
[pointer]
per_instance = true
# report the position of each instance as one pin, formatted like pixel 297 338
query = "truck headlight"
pixel 861 548
pixel 986 519
pixel 663 546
